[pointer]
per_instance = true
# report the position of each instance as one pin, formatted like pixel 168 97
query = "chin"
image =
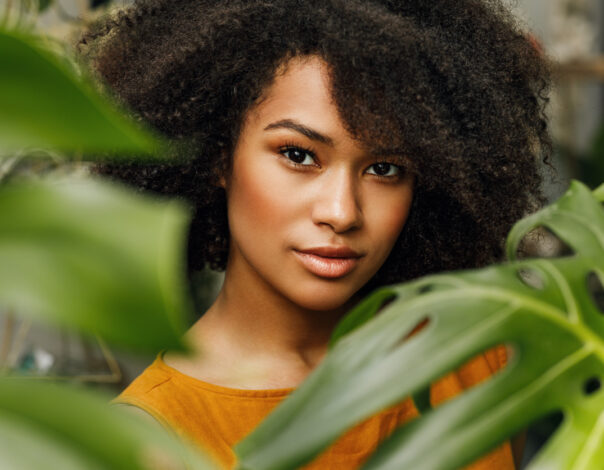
pixel 323 298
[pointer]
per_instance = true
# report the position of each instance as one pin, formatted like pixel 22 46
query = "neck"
pixel 256 320
pixel 254 337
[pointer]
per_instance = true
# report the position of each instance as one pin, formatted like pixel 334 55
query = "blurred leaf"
pixel 544 309
pixel 44 4
pixel 43 104
pixel 91 255
pixel 46 426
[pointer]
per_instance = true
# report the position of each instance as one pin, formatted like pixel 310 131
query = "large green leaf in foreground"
pixel 92 256
pixel 46 426
pixel 43 104
pixel 541 308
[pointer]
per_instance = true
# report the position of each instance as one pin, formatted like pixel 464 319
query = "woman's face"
pixel 312 214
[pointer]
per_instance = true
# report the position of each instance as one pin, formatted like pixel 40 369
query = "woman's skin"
pixel 312 217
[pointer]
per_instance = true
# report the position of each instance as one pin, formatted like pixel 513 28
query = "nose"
pixel 337 203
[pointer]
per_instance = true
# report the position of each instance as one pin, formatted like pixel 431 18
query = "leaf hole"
pixel 596 290
pixel 592 385
pixel 420 325
pixel 538 433
pixel 385 303
pixel 531 277
pixel 425 289
pixel 541 242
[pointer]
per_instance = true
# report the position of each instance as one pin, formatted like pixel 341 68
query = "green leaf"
pixel 43 104
pixel 599 193
pixel 96 257
pixel 362 313
pixel 43 425
pixel 542 309
pixel 44 4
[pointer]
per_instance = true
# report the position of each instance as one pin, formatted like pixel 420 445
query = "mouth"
pixel 328 262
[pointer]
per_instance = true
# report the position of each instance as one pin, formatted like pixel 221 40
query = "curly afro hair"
pixel 454 85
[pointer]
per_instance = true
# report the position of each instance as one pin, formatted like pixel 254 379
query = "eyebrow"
pixel 301 129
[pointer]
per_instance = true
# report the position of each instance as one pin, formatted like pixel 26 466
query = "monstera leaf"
pixel 43 104
pixel 47 426
pixel 546 312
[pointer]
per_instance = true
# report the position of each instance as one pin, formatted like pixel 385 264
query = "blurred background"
pixel 28 348
pixel 570 32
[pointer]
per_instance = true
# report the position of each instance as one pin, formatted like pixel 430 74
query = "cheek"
pixel 258 202
pixel 388 217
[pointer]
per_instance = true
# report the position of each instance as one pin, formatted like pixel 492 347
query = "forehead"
pixel 300 91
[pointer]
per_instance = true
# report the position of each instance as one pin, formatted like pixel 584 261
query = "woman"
pixel 328 147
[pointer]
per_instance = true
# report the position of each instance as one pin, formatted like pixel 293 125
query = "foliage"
pixel 94 257
pixel 43 425
pixel 43 105
pixel 87 254
pixel 544 310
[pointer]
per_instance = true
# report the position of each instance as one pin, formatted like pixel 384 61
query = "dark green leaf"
pixel 42 104
pixel 362 313
pixel 93 256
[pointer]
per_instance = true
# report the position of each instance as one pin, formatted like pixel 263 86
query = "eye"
pixel 298 155
pixel 384 169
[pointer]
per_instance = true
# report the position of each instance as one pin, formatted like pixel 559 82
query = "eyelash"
pixel 396 177
pixel 289 147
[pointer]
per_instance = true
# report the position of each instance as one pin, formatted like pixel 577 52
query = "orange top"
pixel 218 417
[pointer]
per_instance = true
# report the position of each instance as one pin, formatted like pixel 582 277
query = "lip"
pixel 327 261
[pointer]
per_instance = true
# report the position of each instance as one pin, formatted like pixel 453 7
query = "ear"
pixel 222 179
pixel 222 175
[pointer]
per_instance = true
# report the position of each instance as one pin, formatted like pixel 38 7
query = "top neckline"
pixel 241 392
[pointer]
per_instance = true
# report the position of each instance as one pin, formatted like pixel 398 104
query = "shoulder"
pixel 147 393
pixel 153 376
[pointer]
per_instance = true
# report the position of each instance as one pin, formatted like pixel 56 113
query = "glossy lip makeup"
pixel 328 262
